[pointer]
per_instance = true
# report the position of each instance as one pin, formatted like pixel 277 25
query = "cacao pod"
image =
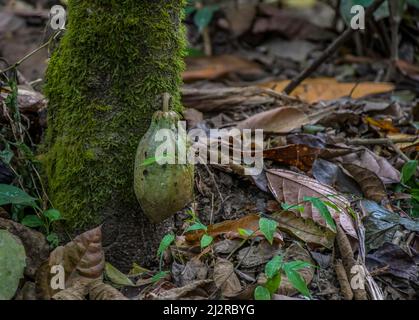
pixel 162 189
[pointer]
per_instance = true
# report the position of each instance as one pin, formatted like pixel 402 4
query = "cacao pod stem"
pixel 166 100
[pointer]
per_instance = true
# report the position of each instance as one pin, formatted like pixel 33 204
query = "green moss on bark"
pixel 103 84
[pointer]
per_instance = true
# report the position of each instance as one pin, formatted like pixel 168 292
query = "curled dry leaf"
pixel 278 120
pixel 226 279
pixel 373 162
pixel 291 188
pixel 304 229
pixel 78 291
pixel 82 258
pixel 371 185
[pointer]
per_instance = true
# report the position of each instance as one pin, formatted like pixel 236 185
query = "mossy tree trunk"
pixel 104 82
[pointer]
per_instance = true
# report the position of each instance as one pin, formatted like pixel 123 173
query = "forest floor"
pixel 338 197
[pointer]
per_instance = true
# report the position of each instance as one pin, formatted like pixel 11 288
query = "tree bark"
pixel 104 82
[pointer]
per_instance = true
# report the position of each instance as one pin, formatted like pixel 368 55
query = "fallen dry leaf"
pixel 82 258
pixel 278 120
pixel 405 145
pixel 384 124
pixel 208 68
pixel 291 188
pixel 199 289
pixel 371 185
pixel 317 89
pixel 240 16
pixel 373 162
pixel 304 229
pixel 408 69
pixel 229 228
pixel 302 156
pixel 226 279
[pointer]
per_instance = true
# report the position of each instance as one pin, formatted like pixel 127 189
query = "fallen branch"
pixel 345 287
pixel 349 262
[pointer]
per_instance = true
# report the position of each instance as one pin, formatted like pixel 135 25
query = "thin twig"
pixel 333 47
pixel 17 63
pixel 380 141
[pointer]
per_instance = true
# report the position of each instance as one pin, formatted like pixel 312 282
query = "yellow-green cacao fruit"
pixel 162 189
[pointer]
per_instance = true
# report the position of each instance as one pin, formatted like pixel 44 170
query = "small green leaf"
pixel 261 293
pixel 273 283
pixel 408 170
pixel 273 266
pixel 298 265
pixel 193 52
pixel 268 228
pixel 53 239
pixel 196 226
pixel 32 221
pixel 148 161
pixel 297 281
pixel 137 270
pixel 206 240
pixel 116 276
pixel 158 276
pixel 6 155
pixel 324 211
pixel 203 16
pixel 245 232
pixel 12 195
pixel 287 206
pixel 52 215
pixel 165 243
